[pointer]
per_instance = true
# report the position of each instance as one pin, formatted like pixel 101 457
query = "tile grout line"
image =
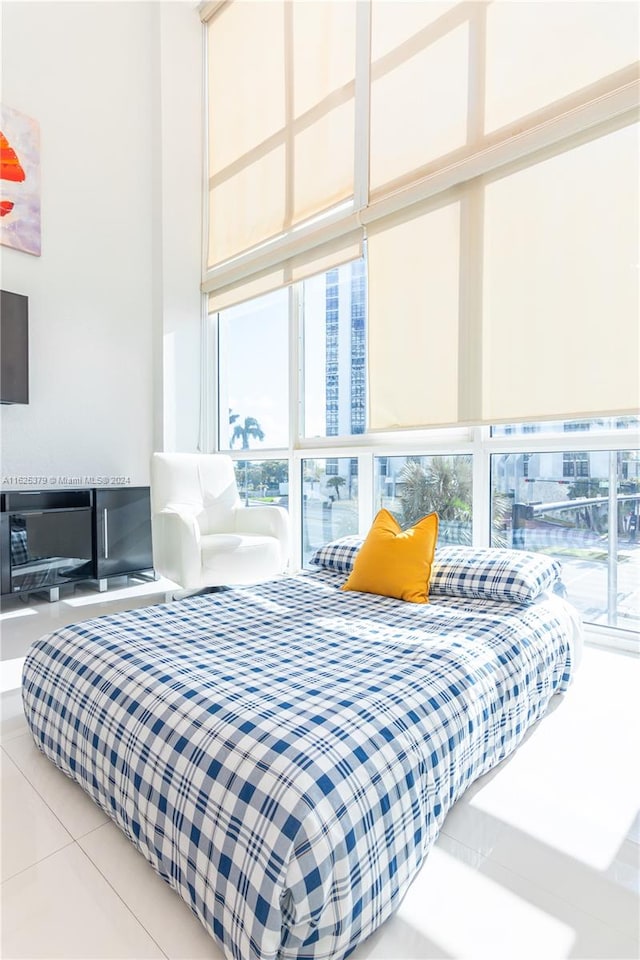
pixel 37 863
pixel 76 841
pixel 73 841
pixel 111 887
pixel 6 757
pixel 44 799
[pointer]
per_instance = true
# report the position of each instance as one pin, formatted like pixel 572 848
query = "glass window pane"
pixel 566 426
pixel 263 482
pixel 253 373
pixel 334 324
pixel 329 501
pixel 558 503
pixel 410 487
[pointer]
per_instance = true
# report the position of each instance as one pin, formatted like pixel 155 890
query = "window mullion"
pixel 366 504
pixel 296 419
pixel 211 382
pixel 296 360
pixel 612 531
pixel 481 511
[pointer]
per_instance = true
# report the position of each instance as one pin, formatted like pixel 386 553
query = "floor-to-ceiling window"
pixel 450 242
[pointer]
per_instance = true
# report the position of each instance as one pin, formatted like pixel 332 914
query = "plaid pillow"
pixel 339 554
pixel 486 572
pixel 492 573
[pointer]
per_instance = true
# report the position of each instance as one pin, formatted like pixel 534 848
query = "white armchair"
pixel 203 536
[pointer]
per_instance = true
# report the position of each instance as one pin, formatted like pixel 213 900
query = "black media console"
pixel 49 538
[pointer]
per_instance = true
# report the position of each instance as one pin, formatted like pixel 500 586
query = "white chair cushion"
pixel 238 558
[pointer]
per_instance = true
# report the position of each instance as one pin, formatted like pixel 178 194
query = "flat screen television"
pixel 14 347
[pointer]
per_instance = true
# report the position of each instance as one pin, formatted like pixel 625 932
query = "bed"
pixel 284 756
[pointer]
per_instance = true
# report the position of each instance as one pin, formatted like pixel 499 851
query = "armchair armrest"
pixel 267 521
pixel 176 546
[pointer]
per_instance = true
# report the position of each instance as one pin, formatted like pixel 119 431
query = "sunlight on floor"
pixel 149 590
pixel 460 925
pixel 13 614
pixel 572 739
pixel 11 674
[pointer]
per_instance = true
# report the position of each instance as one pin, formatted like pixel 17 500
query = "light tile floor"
pixel 540 859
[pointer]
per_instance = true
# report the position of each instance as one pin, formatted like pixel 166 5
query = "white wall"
pixel 180 37
pixel 96 78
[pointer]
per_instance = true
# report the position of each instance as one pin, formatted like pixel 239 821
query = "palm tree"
pixel 336 482
pixel 501 513
pixel 451 487
pixel 251 429
pixel 415 495
pixel 444 487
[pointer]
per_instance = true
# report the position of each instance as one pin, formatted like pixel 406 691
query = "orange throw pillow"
pixel 393 562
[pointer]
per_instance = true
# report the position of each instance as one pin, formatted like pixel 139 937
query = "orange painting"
pixel 19 181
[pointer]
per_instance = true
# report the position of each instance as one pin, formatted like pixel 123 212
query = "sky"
pixel 254 363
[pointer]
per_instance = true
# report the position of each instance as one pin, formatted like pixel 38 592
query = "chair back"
pixel 204 484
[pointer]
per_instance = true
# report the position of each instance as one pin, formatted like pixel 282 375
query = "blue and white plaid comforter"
pixel 284 756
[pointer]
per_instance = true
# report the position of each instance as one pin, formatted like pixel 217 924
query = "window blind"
pixel 560 285
pixel 413 319
pixel 419 88
pixel 492 193
pixel 281 87
pixel 298 267
pixel 520 300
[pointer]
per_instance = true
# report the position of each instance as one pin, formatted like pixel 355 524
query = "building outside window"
pixel 551 427
pixel 358 349
pixel 590 523
pixel 334 364
pixel 575 464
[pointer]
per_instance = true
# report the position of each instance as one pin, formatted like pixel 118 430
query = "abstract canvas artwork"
pixel 19 181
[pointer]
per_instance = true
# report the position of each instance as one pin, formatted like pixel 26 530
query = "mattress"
pixel 284 756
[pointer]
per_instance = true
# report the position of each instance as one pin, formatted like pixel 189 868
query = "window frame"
pixel 477 442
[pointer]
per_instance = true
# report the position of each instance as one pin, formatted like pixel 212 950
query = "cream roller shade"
pixel 413 320
pixel 519 253
pixel 519 302
pixel 299 267
pixel 449 79
pixel 560 306
pixel 578 43
pixel 419 87
pixel 281 117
